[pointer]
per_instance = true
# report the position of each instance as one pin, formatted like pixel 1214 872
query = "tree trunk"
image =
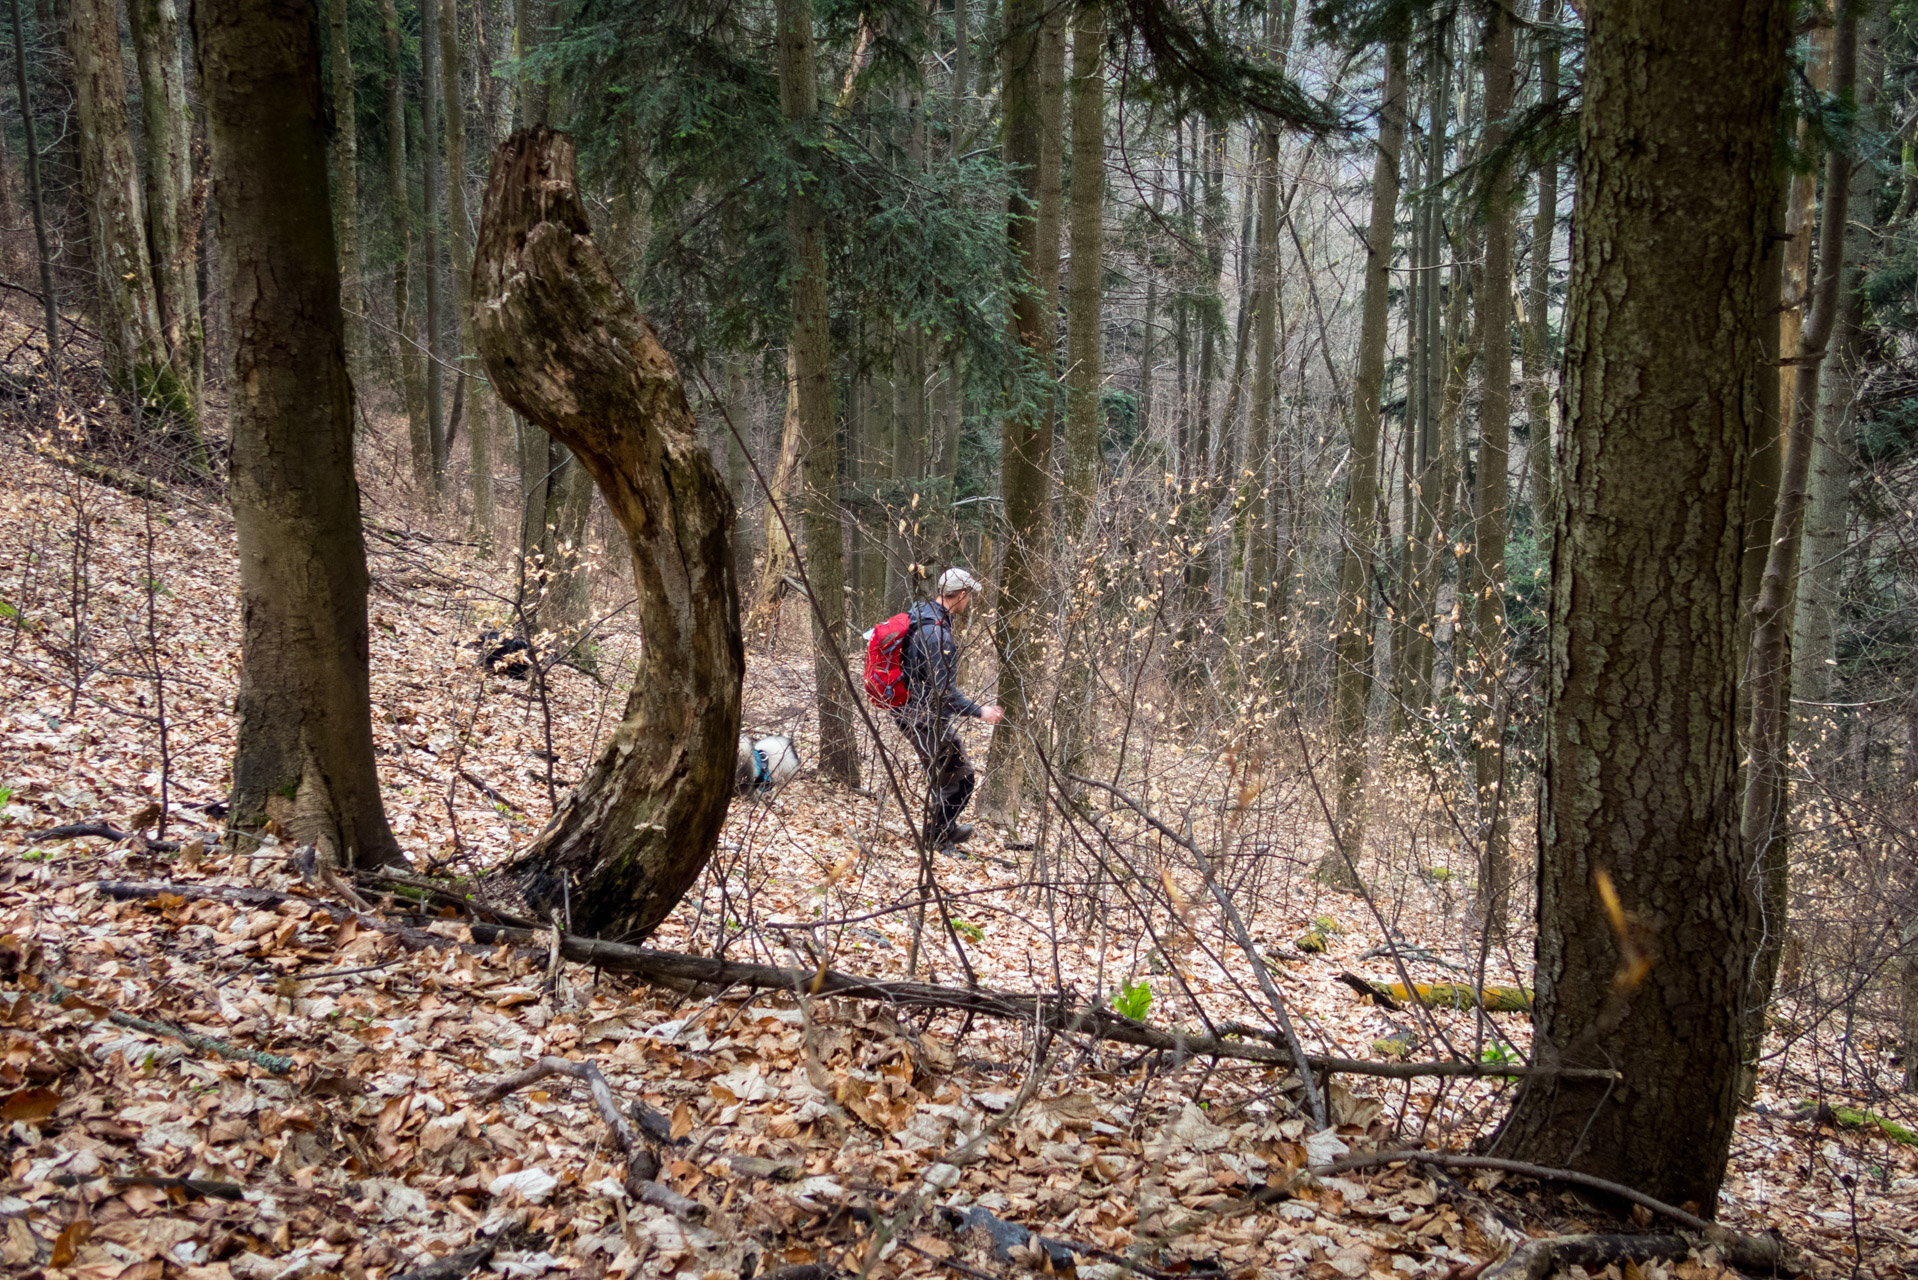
pixel 1535 336
pixel 136 357
pixel 564 347
pixel 1352 644
pixel 1254 478
pixel 779 549
pixel 305 724
pixel 1034 107
pixel 1645 922
pixel 479 417
pixel 1822 574
pixel 811 352
pixel 346 179
pixel 399 206
pixel 529 30
pixel 167 130
pixel 1766 820
pixel 49 297
pixel 429 237
pixel 1084 321
pixel 1490 503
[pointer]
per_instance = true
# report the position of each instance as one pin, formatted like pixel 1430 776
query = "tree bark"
pixel 1352 644
pixel 1536 334
pixel 1766 820
pixel 429 237
pixel 305 724
pixel 49 297
pixel 479 417
pixel 1491 517
pixel 811 353
pixel 346 179
pixel 1664 365
pixel 1034 108
pixel 400 209
pixel 1835 445
pixel 136 356
pixel 564 347
pixel 166 128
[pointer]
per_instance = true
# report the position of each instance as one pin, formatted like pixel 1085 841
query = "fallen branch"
pixel 1764 1253
pixel 55 993
pixel 642 1166
pixel 1053 1011
pixel 188 1186
pixel 74 830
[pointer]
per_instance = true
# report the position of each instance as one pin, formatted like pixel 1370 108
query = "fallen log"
pixel 1054 1011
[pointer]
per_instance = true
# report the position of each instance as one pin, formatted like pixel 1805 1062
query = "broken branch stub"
pixel 565 347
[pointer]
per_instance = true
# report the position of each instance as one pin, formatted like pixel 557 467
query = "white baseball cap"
pixel 953 581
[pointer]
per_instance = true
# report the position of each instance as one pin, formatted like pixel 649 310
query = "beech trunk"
pixel 305 752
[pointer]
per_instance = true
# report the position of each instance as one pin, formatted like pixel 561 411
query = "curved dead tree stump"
pixel 565 347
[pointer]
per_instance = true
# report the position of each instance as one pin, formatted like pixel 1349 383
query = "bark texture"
pixel 1034 117
pixel 1084 322
pixel 1352 644
pixel 129 312
pixel 346 178
pixel 1767 801
pixel 1664 366
pixel 166 129
pixel 811 366
pixel 400 211
pixel 565 348
pixel 306 730
pixel 1491 518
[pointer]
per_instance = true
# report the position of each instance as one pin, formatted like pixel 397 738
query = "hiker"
pixel 930 665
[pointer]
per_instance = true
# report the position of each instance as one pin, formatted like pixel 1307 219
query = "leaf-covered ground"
pixel 803 1131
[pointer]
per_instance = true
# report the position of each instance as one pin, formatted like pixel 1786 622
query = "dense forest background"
pixel 1445 495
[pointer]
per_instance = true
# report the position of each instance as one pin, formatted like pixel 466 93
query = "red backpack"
pixel 886 661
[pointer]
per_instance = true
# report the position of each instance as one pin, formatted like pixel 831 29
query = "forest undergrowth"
pixel 335 1110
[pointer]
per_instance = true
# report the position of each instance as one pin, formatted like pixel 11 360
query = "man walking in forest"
pixel 932 669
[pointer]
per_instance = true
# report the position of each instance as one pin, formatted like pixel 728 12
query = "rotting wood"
pixel 674 968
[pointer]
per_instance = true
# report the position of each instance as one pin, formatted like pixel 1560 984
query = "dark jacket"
pixel 932 664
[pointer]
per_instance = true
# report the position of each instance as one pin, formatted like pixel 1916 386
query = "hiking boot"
pixel 957 833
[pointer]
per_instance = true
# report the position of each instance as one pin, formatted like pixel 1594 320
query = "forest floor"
pixel 832 1132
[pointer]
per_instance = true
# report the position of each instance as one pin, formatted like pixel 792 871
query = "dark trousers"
pixel 949 776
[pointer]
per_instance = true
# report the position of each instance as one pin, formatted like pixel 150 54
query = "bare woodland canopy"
pixel 1442 473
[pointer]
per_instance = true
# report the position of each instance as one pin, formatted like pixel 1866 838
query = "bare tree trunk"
pixel 812 397
pixel 1535 335
pixel 305 723
pixel 399 207
pixel 1085 334
pixel 49 298
pixel 1255 478
pixel 479 415
pixel 1034 106
pixel 1352 644
pixel 169 196
pixel 1834 446
pixel 136 355
pixel 1766 822
pixel 346 180
pixel 1645 918
pixel 429 238
pixel 565 348
pixel 1491 516
pixel 779 550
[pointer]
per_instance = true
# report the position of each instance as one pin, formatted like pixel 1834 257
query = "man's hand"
pixel 993 715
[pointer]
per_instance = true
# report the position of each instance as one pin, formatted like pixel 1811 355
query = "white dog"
pixel 764 764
